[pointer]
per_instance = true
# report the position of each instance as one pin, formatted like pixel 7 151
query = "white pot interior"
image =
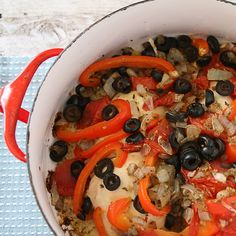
pixel 133 23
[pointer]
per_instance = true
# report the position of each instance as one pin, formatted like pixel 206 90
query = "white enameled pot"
pixel 124 27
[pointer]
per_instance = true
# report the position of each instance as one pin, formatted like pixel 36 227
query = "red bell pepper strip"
pixel 100 129
pixel 146 201
pixel 11 97
pixel 202 46
pixel 116 214
pixel 230 151
pixel 89 167
pixel 195 223
pixel 98 221
pixel 110 139
pixel 87 79
pixel 207 228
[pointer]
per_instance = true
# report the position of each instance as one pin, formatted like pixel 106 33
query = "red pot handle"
pixel 11 97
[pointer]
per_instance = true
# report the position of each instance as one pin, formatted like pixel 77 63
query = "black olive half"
pixel 164 43
pixel 132 125
pixel 209 97
pixel 135 138
pixel 103 167
pixel 190 159
pixel 76 168
pixel 173 140
pixel 203 61
pixel 169 221
pixel 191 53
pixel 87 205
pixel 127 51
pixel 228 58
pixel 195 109
pixel 224 87
pixel 81 216
pixel 72 113
pixel 78 100
pixel 58 150
pixel 213 43
pixel 109 112
pixel 111 181
pixel 122 85
pixel 148 51
pixel 184 41
pixel 210 148
pixel 157 75
pixel 176 117
pixel 137 205
pixel 182 86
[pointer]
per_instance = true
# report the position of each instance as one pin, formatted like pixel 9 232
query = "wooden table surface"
pixel 27 26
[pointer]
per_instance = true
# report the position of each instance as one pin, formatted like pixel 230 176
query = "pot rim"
pixel 58 58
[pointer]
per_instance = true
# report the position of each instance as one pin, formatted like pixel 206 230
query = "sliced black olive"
pixel 195 109
pixel 163 43
pixel 103 167
pixel 148 52
pixel 169 221
pixel 213 43
pixel 233 165
pixel 111 181
pixel 132 125
pixel 87 205
pixel 181 178
pixel 72 113
pixel 203 61
pixel 184 41
pixel 209 97
pixel 176 117
pixel 122 85
pixel 173 42
pixel 127 51
pixel 58 150
pixel 173 140
pixel 182 86
pixel 190 145
pixel 190 159
pixel 81 216
pixel 157 75
pixel 137 205
pixel 191 53
pixel 174 161
pixel 78 100
pixel 220 146
pixel 109 112
pixel 76 168
pixel 228 58
pixel 79 89
pixel 161 91
pixel 122 71
pixel 135 138
pixel 224 87
pixel 209 147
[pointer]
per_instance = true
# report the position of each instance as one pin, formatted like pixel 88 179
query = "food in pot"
pixel 146 143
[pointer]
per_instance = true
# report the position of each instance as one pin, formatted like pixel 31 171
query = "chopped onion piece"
pixel 108 87
pixel 165 145
pixel 192 132
pixel 216 125
pixel 228 125
pixel 203 215
pixel 217 74
pixel 162 175
pixel 141 90
pixel 188 215
pixel 131 73
pixel 151 41
pixel 219 177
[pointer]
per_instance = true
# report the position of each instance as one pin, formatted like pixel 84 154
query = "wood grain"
pixel 29 27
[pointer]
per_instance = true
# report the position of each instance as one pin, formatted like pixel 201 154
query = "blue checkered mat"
pixel 19 213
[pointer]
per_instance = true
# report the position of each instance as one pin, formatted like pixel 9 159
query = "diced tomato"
pixel 152 124
pixel 93 112
pixel 217 165
pixel 166 100
pixel 147 82
pixel 229 230
pixel 201 82
pixel 230 152
pixel 65 182
pixel 195 223
pixel 200 121
pixel 163 129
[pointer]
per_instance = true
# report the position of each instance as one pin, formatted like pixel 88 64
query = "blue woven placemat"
pixel 19 212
